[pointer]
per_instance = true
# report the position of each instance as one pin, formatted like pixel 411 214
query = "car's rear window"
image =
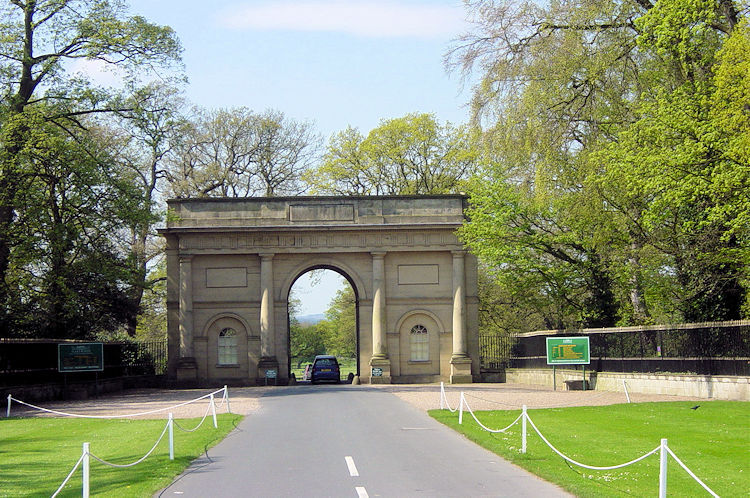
pixel 325 362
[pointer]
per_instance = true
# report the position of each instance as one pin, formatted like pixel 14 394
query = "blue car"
pixel 325 367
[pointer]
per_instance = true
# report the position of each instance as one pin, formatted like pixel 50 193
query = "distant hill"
pixel 311 319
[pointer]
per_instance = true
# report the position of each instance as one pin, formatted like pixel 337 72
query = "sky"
pixel 336 63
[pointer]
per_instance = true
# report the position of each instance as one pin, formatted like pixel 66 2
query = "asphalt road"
pixel 349 441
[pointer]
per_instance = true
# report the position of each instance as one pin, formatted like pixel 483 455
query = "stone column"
pixel 379 347
pixel 460 361
pixel 268 359
pixel 381 365
pixel 186 306
pixel 459 301
pixel 187 368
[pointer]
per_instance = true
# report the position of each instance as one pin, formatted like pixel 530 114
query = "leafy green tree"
pixel 38 42
pixel 610 183
pixel 677 163
pixel 414 154
pixel 339 328
pixel 70 277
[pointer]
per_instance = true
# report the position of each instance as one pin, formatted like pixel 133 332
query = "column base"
pixel 461 370
pixel 187 370
pixel 380 371
pixel 268 371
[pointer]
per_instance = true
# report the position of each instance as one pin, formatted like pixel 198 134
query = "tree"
pixel 540 251
pixel 598 144
pixel 143 139
pixel 339 328
pixel 239 153
pixel 679 162
pixel 38 40
pixel 305 340
pixel 410 155
pixel 70 279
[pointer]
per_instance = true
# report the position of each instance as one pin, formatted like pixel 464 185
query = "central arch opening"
pixel 323 316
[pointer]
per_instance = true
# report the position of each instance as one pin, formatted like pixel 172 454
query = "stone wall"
pixel 702 386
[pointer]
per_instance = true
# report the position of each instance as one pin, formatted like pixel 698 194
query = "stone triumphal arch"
pixel 232 262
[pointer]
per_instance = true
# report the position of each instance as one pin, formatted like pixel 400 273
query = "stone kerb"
pixel 731 388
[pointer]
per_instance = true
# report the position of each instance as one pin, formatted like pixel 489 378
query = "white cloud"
pixel 376 19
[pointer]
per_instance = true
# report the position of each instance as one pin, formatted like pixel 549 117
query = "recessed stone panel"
pixel 418 274
pixel 321 212
pixel 226 277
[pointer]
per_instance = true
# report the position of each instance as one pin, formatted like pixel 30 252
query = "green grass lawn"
pixel 36 454
pixel 712 441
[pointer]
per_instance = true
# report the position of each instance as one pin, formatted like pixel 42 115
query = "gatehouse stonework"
pixel 231 264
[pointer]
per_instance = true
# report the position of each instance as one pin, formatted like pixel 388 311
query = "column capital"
pixel 459 253
pixel 186 258
pixel 378 254
pixel 266 255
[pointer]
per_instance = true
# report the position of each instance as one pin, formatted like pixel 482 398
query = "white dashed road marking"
pixel 362 492
pixel 352 468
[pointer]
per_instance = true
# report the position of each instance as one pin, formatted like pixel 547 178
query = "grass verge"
pixel 712 441
pixel 36 454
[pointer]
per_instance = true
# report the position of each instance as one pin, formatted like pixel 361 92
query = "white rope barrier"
pixel 663 449
pixel 468 408
pixel 150 412
pixel 579 464
pixel 123 466
pixel 690 473
pixel 168 428
pixel 224 399
pixel 444 400
pixel 205 415
pixel 75 467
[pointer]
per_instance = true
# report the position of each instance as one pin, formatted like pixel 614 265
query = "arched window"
pixel 420 343
pixel 228 347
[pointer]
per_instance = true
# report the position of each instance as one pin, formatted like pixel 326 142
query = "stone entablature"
pixel 310 238
pixel 317 211
pixel 232 262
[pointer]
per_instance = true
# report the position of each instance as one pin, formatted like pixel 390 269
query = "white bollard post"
pixel 226 396
pixel 625 387
pixel 213 411
pixel 171 436
pixel 85 470
pixel 663 469
pixel 7 413
pixel 442 396
pixel 523 430
pixel 461 409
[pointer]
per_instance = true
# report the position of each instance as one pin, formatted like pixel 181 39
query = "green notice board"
pixel 83 357
pixel 568 351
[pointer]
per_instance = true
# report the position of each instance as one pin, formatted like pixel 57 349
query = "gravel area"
pixel 245 400
pixel 514 396
pixel 242 400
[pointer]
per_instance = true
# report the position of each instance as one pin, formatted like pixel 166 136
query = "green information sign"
pixel 83 357
pixel 568 351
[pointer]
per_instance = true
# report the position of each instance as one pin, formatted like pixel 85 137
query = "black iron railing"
pixel 34 361
pixel 715 348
